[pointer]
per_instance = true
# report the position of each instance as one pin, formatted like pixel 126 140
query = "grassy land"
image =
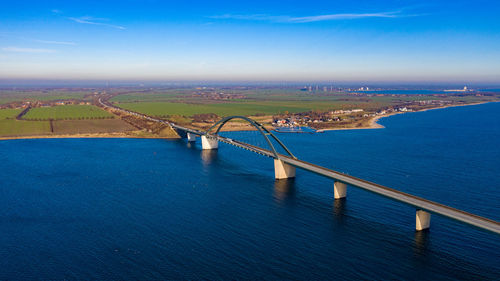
pixel 186 102
pixel 179 106
pixel 23 128
pixel 238 108
pixel 189 95
pixel 40 95
pixel 11 128
pixel 168 95
pixel 91 126
pixel 67 112
pixel 9 113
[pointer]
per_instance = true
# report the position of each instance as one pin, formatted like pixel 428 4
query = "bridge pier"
pixel 191 137
pixel 283 170
pixel 339 190
pixel 423 220
pixel 208 143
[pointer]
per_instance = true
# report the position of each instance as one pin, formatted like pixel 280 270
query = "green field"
pixel 192 95
pixel 23 128
pixel 187 102
pixel 7 96
pixel 67 112
pixel 241 108
pixel 14 128
pixel 91 126
pixel 9 113
pixel 275 102
pixel 153 96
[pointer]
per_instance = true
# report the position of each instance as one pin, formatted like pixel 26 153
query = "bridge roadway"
pixel 415 201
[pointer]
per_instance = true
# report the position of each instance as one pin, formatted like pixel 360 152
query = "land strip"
pixel 78 112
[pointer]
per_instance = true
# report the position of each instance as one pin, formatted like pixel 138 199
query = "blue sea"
pixel 128 209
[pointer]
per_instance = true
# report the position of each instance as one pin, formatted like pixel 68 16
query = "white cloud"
pixel 344 16
pixel 55 42
pixel 95 21
pixel 27 50
pixel 257 17
pixel 328 17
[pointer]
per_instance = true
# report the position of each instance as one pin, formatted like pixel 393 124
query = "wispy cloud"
pixel 88 20
pixel 345 17
pixel 27 39
pixel 55 42
pixel 27 50
pixel 95 21
pixel 327 17
pixel 255 17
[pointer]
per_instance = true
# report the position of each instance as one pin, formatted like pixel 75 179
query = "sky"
pixel 356 40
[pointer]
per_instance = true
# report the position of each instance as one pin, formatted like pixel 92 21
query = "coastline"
pixel 86 136
pixel 374 120
pixel 373 125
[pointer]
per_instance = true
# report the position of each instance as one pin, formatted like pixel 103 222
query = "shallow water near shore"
pixel 165 209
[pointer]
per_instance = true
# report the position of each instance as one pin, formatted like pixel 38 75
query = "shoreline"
pixel 86 136
pixel 373 125
pixel 374 120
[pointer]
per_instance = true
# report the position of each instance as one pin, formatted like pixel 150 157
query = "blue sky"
pixel 443 41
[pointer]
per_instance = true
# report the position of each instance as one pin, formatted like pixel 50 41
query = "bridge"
pixel 286 164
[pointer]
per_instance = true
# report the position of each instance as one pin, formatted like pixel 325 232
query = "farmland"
pixel 9 113
pixel 91 126
pixel 256 95
pixel 165 95
pixel 67 112
pixel 41 95
pixel 172 103
pixel 233 108
pixel 23 128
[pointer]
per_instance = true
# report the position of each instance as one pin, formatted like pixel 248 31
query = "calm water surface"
pixel 158 209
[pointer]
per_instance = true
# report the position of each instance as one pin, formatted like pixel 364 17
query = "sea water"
pixel 164 209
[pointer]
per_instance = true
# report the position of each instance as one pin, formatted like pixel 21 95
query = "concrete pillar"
pixel 423 220
pixel 191 137
pixel 208 143
pixel 339 190
pixel 283 170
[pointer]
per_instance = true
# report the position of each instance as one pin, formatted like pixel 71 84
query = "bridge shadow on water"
pixel 339 208
pixel 422 242
pixel 208 157
pixel 285 191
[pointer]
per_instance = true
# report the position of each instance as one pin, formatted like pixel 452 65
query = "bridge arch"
pixel 263 131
